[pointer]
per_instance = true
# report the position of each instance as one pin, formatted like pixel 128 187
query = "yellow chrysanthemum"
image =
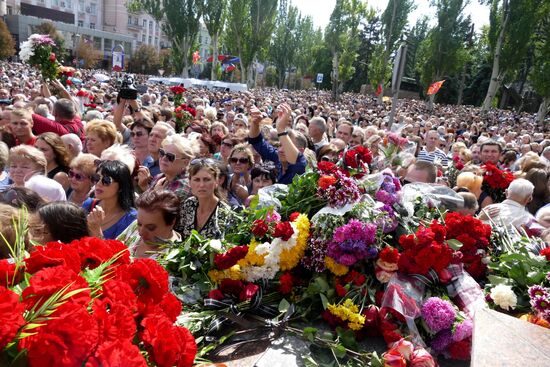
pixel 335 268
pixel 290 258
pixel 348 311
pixel 233 272
pixel 252 258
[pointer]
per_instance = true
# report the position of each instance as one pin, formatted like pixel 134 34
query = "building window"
pixel 55 2
pixel 142 38
pixel 93 8
pixel 9 10
pixel 92 25
pixel 129 20
pixel 150 40
pixel 144 23
pixel 80 23
pixel 150 25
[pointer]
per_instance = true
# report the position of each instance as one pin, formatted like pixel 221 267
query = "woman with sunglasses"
pixel 139 139
pixel 204 212
pixel 241 161
pixel 225 149
pixel 174 158
pixel 82 168
pixel 112 209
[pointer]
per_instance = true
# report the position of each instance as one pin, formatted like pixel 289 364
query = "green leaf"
pixel 454 244
pixel 324 300
pixel 283 305
pixel 496 280
pixel 322 283
pixel 376 361
pixel 309 333
pixel 339 350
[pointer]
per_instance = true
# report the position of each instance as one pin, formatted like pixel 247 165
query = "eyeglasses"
pixel 227 144
pixel 239 160
pixel 105 180
pixel 77 176
pixel 170 156
pixel 202 161
pixel 138 134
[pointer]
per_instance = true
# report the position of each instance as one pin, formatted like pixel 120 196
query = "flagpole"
pixel 396 80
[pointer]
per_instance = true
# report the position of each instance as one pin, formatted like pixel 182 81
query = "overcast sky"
pixel 320 10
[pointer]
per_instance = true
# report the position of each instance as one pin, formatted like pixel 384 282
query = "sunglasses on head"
pixel 77 176
pixel 202 161
pixel 137 133
pixel 239 160
pixel 105 180
pixel 170 156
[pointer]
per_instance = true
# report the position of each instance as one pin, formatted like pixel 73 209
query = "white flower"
pixel 504 297
pixel 215 245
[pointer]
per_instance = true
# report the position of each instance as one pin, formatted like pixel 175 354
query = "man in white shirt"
pixel 431 153
pixel 512 211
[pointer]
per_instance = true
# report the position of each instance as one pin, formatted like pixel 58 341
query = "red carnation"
pixel 68 82
pixel 231 287
pixel 283 230
pixel 248 292
pixel 259 228
pixel 67 339
pixel 285 283
pixel 9 273
pixel 231 257
pixel 216 294
pixel 11 316
pixel 293 216
pixel 461 350
pixel 115 322
pixel 546 252
pixel 459 166
pixel 94 251
pixel 341 291
pixel 389 255
pixel 81 93
pixel 171 306
pixel 168 345
pixel 117 353
pixel 326 181
pixel 53 254
pixel 119 292
pixel 178 89
pixel 147 278
pixel 44 283
pixel 326 167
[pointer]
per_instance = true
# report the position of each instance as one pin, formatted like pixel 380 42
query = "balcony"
pixel 134 26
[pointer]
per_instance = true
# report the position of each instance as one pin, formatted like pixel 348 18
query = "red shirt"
pixel 44 125
pixel 30 142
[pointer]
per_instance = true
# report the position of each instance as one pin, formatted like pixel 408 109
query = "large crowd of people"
pixel 84 162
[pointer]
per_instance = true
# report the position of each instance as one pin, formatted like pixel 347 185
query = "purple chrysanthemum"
pixel 438 314
pixel 540 304
pixel 537 290
pixel 463 330
pixel 441 341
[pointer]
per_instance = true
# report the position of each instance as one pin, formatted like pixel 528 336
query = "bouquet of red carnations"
pixel 88 304
pixel 496 181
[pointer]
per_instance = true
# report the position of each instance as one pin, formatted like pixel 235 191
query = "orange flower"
pixel 326 181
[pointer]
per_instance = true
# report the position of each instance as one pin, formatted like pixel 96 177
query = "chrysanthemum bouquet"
pixel 37 52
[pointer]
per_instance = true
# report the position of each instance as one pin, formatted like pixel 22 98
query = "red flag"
pixel 378 90
pixel 435 87
pixel 196 57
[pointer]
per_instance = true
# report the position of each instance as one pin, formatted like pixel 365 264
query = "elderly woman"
pixel 204 212
pixel 24 162
pixel 100 135
pixel 175 155
pixel 157 214
pixel 80 177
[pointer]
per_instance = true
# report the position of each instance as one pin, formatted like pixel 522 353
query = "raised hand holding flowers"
pixel 37 52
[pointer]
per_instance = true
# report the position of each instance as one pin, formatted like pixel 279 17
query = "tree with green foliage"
pixel 341 37
pixel 512 23
pixel 250 24
pixel 394 20
pixel 285 42
pixel 49 29
pixel 540 72
pixel 309 40
pixel 145 60
pixel 180 23
pixel 7 44
pixel 440 53
pixel 213 14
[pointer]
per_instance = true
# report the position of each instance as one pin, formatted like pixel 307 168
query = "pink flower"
pixel 404 347
pixel 421 358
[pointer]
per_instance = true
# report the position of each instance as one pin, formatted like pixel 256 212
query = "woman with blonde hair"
pixel 175 154
pixel 100 135
pixel 57 156
pixel 473 183
pixel 80 177
pixel 25 161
